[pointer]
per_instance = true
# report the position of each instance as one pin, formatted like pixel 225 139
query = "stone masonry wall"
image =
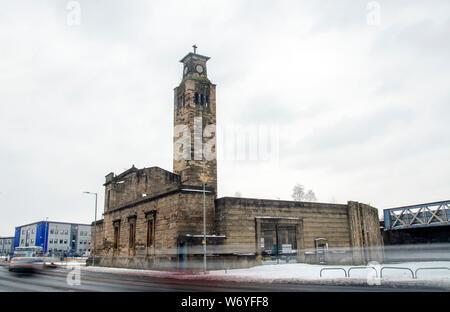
pixel 235 218
pixel 132 184
pixel 174 214
pixel 366 239
pixel 351 227
pixel 99 236
pixel 190 167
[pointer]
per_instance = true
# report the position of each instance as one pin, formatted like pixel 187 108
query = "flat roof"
pixel 52 222
pixel 277 200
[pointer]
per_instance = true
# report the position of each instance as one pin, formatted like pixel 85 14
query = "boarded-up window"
pixel 132 236
pixel 149 233
pixel 108 199
pixel 116 235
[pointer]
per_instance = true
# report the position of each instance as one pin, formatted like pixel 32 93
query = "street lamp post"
pixel 45 244
pixel 204 193
pixel 204 218
pixel 95 228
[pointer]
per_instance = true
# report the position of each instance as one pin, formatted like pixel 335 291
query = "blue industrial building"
pixel 55 237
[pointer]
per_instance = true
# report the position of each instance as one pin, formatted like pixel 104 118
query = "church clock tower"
pixel 195 124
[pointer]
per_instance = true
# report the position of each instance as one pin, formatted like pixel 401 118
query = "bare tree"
pixel 298 194
pixel 310 196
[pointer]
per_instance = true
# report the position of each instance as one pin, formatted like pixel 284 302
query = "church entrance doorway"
pixel 279 239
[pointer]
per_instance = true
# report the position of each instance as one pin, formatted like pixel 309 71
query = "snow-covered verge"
pixel 300 273
pixel 70 263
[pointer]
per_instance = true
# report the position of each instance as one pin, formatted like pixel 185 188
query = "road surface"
pixel 55 280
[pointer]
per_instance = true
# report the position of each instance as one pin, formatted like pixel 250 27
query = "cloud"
pixel 362 110
pixel 358 131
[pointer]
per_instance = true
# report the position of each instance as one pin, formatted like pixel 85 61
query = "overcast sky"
pixel 359 95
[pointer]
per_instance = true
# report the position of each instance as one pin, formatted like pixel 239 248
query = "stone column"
pixel 300 242
pixel 356 239
pixel 372 238
pixel 258 241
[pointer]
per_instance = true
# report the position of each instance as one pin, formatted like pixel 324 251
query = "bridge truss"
pixel 423 215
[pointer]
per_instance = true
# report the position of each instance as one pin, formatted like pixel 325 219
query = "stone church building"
pixel 154 218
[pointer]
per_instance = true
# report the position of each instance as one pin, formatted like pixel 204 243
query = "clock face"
pixel 199 69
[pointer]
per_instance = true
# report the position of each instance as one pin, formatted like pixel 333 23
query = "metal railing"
pixel 362 268
pixel 434 268
pixel 398 268
pixel 413 273
pixel 324 269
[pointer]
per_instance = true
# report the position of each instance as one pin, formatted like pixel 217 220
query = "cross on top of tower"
pixel 194 57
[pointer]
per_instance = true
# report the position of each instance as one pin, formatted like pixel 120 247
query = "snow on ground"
pixel 312 271
pixel 70 263
pixel 304 273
